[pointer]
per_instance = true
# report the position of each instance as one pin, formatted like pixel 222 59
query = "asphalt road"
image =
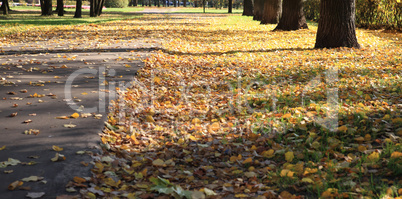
pixel 33 89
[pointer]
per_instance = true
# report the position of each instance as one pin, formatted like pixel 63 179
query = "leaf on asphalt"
pixel 69 125
pixel 58 157
pixel 62 117
pixel 3 147
pixel 32 179
pixel 75 115
pixel 34 195
pixel 15 184
pixel 57 148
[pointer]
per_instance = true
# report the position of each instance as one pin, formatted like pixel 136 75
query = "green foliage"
pixel 369 13
pixel 311 9
pixel 116 3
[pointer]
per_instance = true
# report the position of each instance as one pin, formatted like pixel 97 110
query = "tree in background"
pixel 78 9
pixel 95 7
pixel 5 7
pixel 272 11
pixel 60 8
pixel 292 16
pixel 230 5
pixel 248 8
pixel 336 26
pixel 258 9
pixel 46 7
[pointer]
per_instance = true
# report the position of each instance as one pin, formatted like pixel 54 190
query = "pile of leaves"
pixel 228 108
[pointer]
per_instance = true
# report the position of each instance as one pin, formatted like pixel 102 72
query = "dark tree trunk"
pixel 78 9
pixel 46 7
pixel 248 8
pixel 95 7
pixel 336 26
pixel 174 3
pixel 133 3
pixel 184 3
pixel 258 9
pixel 5 7
pixel 292 16
pixel 272 11
pixel 230 6
pixel 60 8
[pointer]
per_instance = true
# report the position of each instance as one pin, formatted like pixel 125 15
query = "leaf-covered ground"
pixel 227 108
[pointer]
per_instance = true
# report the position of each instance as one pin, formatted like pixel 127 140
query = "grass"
pixel 207 10
pixel 32 17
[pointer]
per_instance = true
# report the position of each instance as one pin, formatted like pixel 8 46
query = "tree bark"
pixel 95 7
pixel 258 9
pixel 272 11
pixel 248 8
pixel 46 7
pixel 78 9
pixel 60 8
pixel 5 7
pixel 230 6
pixel 336 26
pixel 184 3
pixel 292 16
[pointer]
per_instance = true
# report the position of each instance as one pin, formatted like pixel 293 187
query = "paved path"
pixel 32 87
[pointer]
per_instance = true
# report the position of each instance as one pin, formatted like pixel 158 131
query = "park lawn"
pixel 227 107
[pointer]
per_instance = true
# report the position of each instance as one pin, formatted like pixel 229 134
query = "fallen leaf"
pixel 69 125
pixel 289 156
pixel 56 148
pixel 32 179
pixel 58 157
pixel 35 194
pixel 15 184
pixel 75 115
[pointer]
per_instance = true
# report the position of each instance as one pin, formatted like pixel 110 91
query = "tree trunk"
pixel 60 8
pixel 258 9
pixel 184 3
pixel 5 6
pixel 95 7
pixel 78 9
pixel 174 3
pixel 230 6
pixel 292 16
pixel 336 26
pixel 248 8
pixel 272 11
pixel 46 7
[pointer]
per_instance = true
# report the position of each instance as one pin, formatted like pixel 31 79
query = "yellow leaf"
pixel 215 126
pixel 62 117
pixel 2 148
pixel 268 154
pixel 289 156
pixel 361 148
pixel 287 115
pixel 56 148
pixel 157 80
pixel 84 93
pixel 343 128
pixel 286 173
pixel 196 121
pixel 149 118
pixel 91 195
pixel 307 180
pixel 192 138
pixel 79 180
pixel 248 160
pixel 396 154
pixel 75 115
pixel 14 185
pixel 373 157
pixel 158 163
